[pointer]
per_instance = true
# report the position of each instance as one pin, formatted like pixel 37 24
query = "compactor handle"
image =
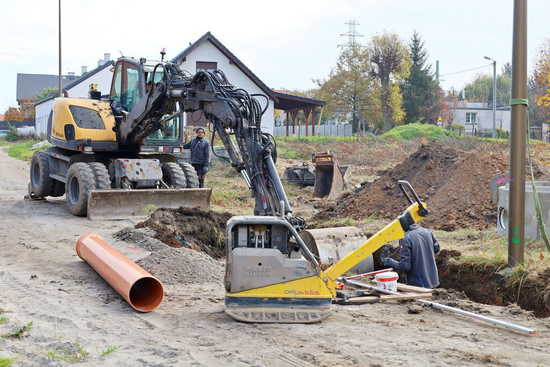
pixel 406 188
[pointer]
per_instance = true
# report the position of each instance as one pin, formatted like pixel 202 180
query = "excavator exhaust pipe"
pixel 122 204
pixel 329 176
pixel 140 289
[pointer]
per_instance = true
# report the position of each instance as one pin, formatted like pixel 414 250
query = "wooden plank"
pixel 412 288
pixel 400 297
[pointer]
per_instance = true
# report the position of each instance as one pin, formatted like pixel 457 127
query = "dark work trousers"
pixel 201 172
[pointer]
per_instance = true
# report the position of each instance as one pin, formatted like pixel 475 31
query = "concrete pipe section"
pixel 532 231
pixel 329 245
pixel 140 289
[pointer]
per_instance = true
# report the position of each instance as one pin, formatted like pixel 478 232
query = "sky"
pixel 286 44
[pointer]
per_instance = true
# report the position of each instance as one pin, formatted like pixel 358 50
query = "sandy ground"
pixel 74 312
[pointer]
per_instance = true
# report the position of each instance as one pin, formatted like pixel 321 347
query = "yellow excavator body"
pixel 82 119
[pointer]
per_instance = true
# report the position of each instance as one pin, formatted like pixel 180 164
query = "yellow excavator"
pixel 116 157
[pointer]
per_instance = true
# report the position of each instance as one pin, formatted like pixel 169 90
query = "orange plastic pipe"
pixel 140 289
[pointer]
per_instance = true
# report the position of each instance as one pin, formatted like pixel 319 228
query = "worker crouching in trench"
pixel 417 257
pixel 200 154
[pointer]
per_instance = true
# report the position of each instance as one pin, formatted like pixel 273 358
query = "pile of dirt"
pixel 192 228
pixel 453 183
pixel 172 265
pixel 183 266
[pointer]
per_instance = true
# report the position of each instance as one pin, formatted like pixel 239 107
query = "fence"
pixel 320 130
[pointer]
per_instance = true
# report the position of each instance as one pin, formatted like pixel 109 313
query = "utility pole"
pixel 60 76
pixel 516 227
pixel 437 71
pixel 494 95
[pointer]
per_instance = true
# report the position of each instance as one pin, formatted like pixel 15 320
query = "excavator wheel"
pixel 80 181
pixel 102 178
pixel 190 175
pixel 41 183
pixel 173 176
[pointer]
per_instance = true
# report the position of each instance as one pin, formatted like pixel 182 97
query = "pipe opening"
pixel 146 294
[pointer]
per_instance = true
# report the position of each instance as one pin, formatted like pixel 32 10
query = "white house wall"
pixel 484 118
pixel 208 52
pixel 103 80
pixel 42 112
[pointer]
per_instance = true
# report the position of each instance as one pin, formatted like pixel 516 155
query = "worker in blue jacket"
pixel 200 154
pixel 417 257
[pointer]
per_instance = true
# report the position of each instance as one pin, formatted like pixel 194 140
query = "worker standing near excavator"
pixel 200 154
pixel 417 257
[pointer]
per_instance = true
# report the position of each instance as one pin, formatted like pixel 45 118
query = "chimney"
pixel 106 57
pixel 84 69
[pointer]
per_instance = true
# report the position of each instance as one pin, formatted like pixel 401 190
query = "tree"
pixel 421 93
pixel 45 93
pixel 541 85
pixel 390 61
pixel 348 89
pixel 13 114
pixel 481 88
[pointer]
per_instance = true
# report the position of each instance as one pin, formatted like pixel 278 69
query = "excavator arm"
pixel 236 116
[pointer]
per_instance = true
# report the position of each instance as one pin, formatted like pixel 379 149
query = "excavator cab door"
pixel 128 84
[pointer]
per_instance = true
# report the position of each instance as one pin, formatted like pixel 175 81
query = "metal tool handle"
pixel 406 188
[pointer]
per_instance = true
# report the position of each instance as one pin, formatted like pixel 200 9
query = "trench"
pixel 484 284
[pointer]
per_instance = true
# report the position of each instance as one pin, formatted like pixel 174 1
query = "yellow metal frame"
pixel 324 284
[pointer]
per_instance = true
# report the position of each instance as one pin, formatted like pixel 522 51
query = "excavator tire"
pixel 80 181
pixel 102 178
pixel 58 189
pixel 190 175
pixel 173 176
pixel 41 182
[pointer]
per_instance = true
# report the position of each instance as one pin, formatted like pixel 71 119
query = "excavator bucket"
pixel 122 204
pixel 329 245
pixel 329 177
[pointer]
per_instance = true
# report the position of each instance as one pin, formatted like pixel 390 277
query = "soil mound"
pixel 192 228
pixel 453 183
pixel 172 265
pixel 182 266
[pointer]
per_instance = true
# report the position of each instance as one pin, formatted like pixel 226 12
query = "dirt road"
pixel 76 316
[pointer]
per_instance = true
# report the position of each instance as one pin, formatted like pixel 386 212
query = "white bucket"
pixel 387 280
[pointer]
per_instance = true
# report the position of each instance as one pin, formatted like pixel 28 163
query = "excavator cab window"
pixel 125 88
pixel 168 133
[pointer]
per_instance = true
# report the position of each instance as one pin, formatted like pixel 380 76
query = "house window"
pixel 207 65
pixel 471 117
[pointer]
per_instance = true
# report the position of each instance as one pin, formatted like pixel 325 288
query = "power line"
pixel 467 70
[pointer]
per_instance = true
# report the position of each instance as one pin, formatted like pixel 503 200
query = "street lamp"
pixel 494 95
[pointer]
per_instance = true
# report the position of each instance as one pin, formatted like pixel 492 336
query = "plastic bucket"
pixel 387 281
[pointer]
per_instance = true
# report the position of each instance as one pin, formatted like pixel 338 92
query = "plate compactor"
pixel 267 281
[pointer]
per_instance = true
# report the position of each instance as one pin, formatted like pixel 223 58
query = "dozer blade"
pixel 122 204
pixel 329 177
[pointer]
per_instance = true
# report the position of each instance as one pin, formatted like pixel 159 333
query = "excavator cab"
pixel 131 81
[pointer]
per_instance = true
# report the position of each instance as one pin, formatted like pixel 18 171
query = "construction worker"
pixel 200 154
pixel 417 257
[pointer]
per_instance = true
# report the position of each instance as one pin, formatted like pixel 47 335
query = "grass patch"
pixel 291 154
pixel 413 131
pixel 109 350
pixel 19 332
pixel 23 150
pixel 74 355
pixel 3 320
pixel 337 222
pixel 6 362
pixel 3 142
